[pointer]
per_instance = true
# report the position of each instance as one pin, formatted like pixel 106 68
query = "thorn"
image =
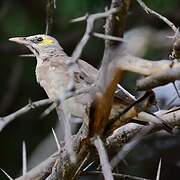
pixel 107 37
pixel 7 175
pixel 24 158
pixel 27 55
pixel 79 19
pixel 158 171
pixel 31 104
pixel 56 140
pixel 89 165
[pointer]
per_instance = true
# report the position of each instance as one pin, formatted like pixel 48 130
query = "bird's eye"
pixel 39 39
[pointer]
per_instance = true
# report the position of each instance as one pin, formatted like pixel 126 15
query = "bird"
pixel 52 74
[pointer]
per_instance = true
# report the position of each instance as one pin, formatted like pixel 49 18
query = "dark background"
pixel 18 83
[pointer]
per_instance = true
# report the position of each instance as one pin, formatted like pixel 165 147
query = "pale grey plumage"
pixel 52 72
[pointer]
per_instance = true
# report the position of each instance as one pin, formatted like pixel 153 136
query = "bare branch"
pixel 32 105
pixel 7 119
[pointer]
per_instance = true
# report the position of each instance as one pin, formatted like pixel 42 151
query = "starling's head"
pixel 40 45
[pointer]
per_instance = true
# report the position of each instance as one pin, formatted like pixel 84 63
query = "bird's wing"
pixel 91 72
pixel 87 71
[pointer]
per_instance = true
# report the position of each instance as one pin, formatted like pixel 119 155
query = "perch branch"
pixel 117 140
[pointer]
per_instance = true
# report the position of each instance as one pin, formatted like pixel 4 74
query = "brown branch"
pixel 109 74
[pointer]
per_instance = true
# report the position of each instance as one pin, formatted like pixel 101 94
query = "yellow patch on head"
pixel 46 41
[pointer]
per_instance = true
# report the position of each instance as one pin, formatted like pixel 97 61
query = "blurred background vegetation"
pixel 18 83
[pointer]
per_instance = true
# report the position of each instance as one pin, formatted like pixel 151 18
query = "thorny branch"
pixel 117 140
pixel 148 10
pixel 32 105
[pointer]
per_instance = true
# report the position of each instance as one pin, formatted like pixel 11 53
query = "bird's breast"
pixel 52 79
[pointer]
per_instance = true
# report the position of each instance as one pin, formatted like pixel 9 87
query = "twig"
pixel 148 10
